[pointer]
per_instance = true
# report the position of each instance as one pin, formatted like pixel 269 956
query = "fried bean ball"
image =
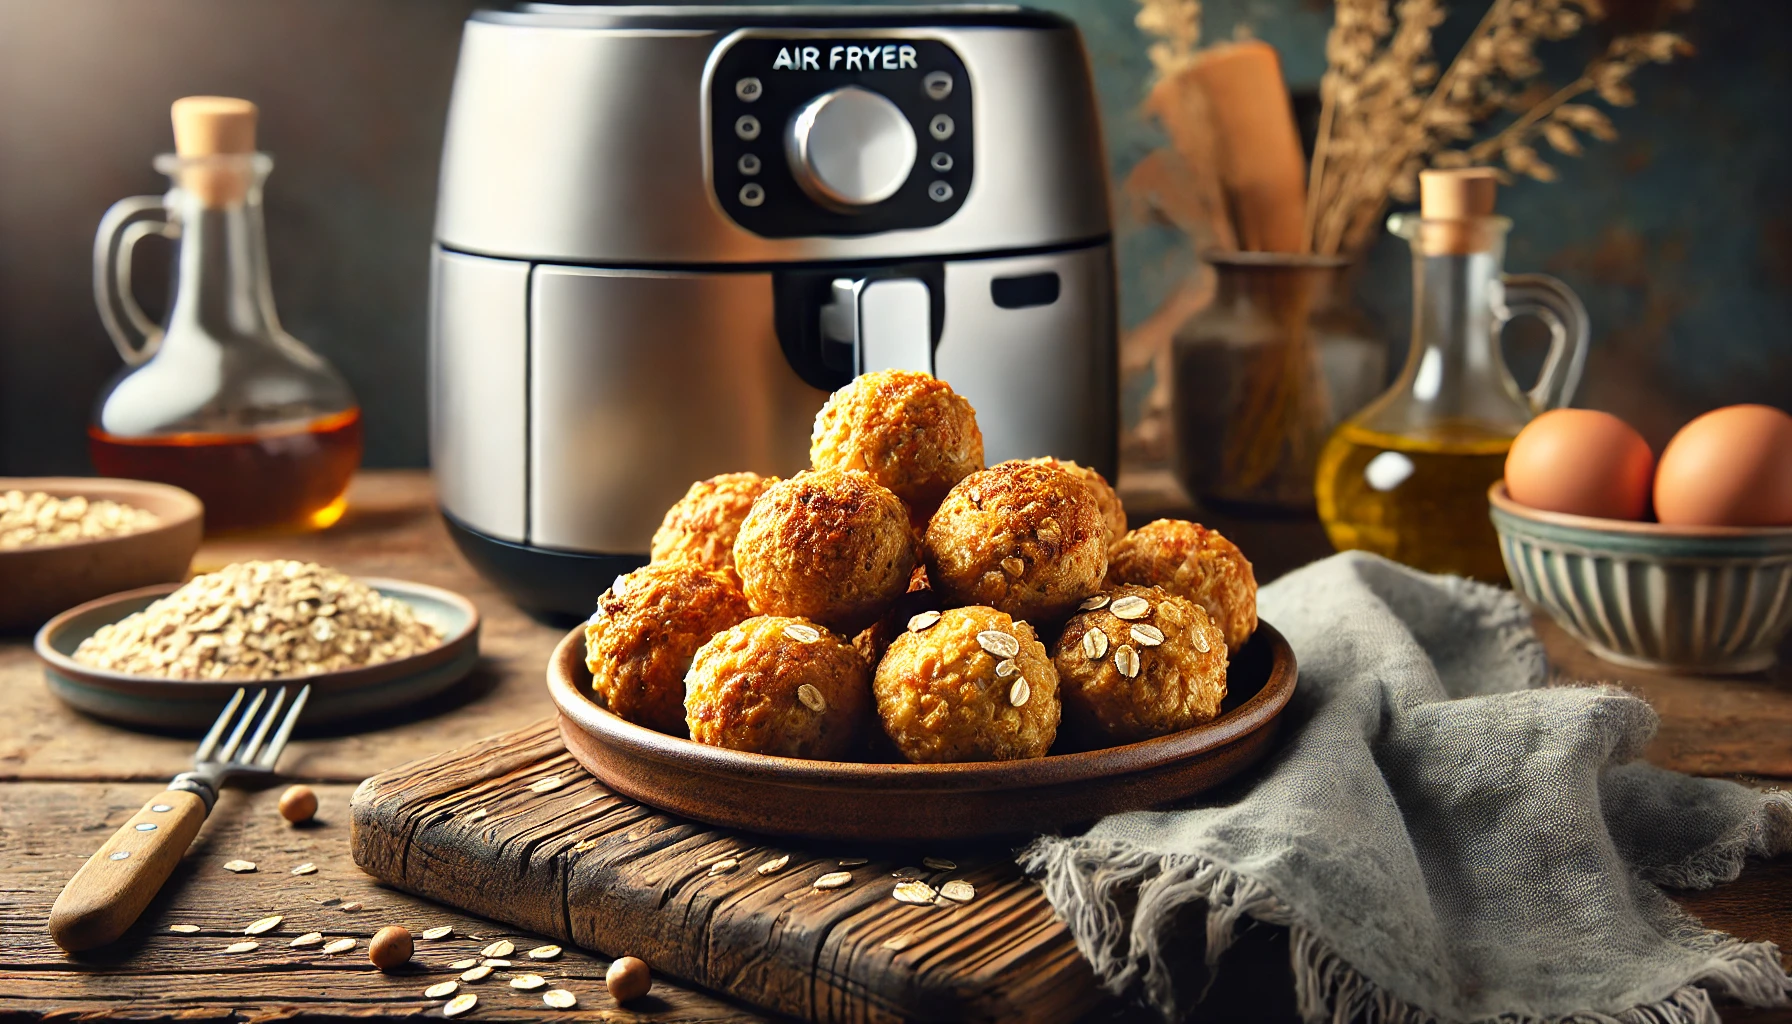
pixel 874 639
pixel 647 626
pixel 968 684
pixel 702 525
pixel 777 685
pixel 909 430
pixel 1191 561
pixel 1106 498
pixel 1141 663
pixel 1023 538
pixel 831 545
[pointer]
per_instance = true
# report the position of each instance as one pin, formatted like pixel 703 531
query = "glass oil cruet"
pixel 1407 477
pixel 218 399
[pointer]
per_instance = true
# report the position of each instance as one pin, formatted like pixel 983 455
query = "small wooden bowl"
pixel 43 581
pixel 912 803
pixel 192 704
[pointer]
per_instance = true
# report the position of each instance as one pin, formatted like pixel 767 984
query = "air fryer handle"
pixel 888 322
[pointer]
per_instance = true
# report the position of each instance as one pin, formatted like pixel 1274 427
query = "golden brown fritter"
pixel 639 642
pixel 701 526
pixel 1023 538
pixel 1106 498
pixel 971 685
pixel 776 685
pixel 909 430
pixel 1143 663
pixel 1191 561
pixel 831 545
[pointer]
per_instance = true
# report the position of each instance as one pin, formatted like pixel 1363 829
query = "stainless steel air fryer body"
pixel 666 233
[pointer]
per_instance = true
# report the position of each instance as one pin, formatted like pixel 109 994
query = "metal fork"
pixel 117 882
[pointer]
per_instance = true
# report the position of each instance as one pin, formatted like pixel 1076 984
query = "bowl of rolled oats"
pixel 169 656
pixel 65 540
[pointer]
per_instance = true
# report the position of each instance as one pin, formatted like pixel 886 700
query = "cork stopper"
pixel 1453 204
pixel 209 126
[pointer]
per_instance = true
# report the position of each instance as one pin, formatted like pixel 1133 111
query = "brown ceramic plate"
pixel 191 704
pixel 915 802
pixel 43 581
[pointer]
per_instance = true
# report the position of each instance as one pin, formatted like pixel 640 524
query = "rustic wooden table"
pixel 67 781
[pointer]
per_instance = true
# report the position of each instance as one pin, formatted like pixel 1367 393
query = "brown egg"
pixel 1582 462
pixel 1729 467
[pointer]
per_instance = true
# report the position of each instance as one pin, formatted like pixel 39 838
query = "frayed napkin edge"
pixel 1092 876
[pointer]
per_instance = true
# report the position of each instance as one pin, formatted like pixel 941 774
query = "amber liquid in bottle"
pixel 1419 499
pixel 292 478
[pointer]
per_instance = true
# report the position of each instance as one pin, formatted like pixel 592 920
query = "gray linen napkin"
pixel 1446 838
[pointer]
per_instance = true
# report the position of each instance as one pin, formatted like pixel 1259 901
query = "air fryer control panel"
pixel 817 135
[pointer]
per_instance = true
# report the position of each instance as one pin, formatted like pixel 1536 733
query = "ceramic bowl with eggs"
pixel 1682 563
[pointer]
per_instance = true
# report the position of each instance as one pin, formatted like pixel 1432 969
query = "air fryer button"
pixel 937 85
pixel 752 194
pixel 747 127
pixel 749 89
pixel 749 164
pixel 1026 290
pixel 940 127
pixel 941 162
pixel 939 192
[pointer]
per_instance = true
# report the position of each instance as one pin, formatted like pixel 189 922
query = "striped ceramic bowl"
pixel 1688 599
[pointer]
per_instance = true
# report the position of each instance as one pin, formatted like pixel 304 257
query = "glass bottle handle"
pixel 128 222
pixel 1552 302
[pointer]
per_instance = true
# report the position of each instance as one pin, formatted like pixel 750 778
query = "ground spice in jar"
pixel 39 520
pixel 261 620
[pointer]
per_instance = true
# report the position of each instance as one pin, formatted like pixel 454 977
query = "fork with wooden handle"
pixel 116 883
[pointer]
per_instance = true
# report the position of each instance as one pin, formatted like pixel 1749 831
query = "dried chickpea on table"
pixel 261 620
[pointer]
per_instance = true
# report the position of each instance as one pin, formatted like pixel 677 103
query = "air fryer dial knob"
pixel 850 148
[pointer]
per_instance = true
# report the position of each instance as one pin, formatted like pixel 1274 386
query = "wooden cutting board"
pixel 511 828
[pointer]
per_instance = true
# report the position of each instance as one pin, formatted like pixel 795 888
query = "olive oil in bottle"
pixel 1407 477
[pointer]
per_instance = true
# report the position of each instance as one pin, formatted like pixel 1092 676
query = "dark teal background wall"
pixel 1679 235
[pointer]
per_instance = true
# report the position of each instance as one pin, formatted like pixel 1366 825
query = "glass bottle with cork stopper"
pixel 218 398
pixel 1407 477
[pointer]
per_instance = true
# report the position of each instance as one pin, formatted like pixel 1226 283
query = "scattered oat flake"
pixel 461 965
pixel 940 863
pixel 1013 566
pixel 998 643
pixel 184 929
pixel 1006 668
pixel 479 973
pixel 547 785
pixel 528 982
pixel 914 892
pixel 242 947
pixel 239 866
pixel 446 988
pixel 922 620
pixel 1019 692
pixel 899 943
pixel 834 880
pixel 544 952
pixel 1095 644
pixel 852 862
pixel 441 932
pixel 340 946
pixel 266 924
pixel 724 866
pixel 1201 643
pixel 306 868
pixel 350 908
pixel 1147 635
pixel 1127 661
pixel 775 865
pixel 585 844
pixel 1132 606
pixel 459 1004
pixel 811 698
pixel 494 962
pixel 959 891
pixel 1091 603
pixel 307 939
pixel 502 947
pixel 802 633
pixel 559 999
